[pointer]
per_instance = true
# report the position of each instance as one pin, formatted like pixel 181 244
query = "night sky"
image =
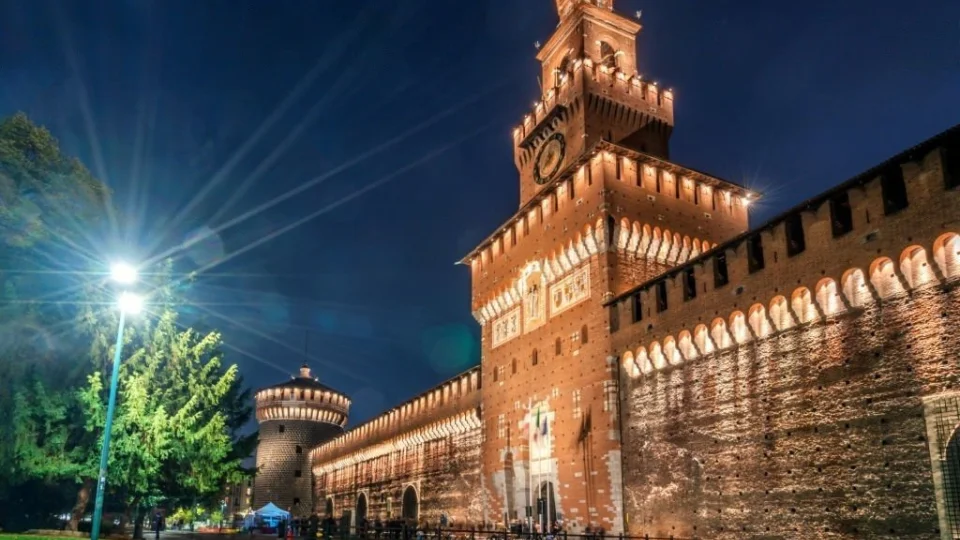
pixel 398 114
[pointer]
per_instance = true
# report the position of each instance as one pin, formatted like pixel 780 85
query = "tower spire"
pixel 564 7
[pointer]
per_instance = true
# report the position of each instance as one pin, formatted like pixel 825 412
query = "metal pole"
pixel 105 450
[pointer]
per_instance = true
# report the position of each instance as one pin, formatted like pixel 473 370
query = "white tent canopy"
pixel 272 510
pixel 270 515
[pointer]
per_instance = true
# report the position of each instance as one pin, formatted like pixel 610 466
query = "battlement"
pixel 592 78
pixel 636 174
pixel 865 240
pixel 447 403
pixel 302 398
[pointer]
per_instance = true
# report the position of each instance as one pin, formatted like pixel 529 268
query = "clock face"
pixel 549 158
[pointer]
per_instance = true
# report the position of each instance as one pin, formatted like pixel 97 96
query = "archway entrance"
pixel 328 511
pixel 411 505
pixel 547 505
pixel 361 510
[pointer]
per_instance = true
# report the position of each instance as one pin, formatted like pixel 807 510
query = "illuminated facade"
pixel 652 365
pixel 294 417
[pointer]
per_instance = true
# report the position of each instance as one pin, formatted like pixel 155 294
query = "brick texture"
pixel 278 463
pixel 695 378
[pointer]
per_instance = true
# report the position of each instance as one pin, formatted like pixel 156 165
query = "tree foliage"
pixel 180 408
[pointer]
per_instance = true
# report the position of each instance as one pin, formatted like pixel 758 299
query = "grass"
pixel 22 536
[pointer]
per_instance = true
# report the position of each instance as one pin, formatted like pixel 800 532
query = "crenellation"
pixel 294 416
pixel 458 394
pixel 924 183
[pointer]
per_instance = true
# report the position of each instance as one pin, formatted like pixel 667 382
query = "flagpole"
pixel 529 465
pixel 539 474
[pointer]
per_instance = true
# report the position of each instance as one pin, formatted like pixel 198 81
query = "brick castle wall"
pixel 414 462
pixel 443 473
pixel 811 394
pixel 278 462
pixel 817 432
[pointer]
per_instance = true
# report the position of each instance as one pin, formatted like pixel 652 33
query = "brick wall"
pixel 444 473
pixel 812 396
pixel 817 432
pixel 278 462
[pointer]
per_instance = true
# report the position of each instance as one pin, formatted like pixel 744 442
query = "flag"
pixel 537 428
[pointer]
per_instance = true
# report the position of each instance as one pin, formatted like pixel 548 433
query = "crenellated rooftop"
pixel 454 400
pixel 887 231
pixel 642 96
pixel 302 398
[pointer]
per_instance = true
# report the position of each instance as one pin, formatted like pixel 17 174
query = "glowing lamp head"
pixel 123 273
pixel 130 303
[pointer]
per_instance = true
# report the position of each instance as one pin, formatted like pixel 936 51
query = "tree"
pixel 176 429
pixel 49 206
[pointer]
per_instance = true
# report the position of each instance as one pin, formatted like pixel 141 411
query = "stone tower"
pixel 601 210
pixel 294 417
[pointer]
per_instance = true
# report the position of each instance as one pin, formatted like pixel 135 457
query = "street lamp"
pixel 123 273
pixel 127 303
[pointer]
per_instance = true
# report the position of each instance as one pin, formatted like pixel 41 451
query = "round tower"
pixel 294 417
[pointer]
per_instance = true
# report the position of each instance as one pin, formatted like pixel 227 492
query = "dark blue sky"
pixel 197 111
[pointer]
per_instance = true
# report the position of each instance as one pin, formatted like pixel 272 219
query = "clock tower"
pixel 603 212
pixel 576 111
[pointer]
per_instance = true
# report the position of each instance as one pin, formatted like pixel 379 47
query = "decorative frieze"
pixel 570 291
pixel 506 327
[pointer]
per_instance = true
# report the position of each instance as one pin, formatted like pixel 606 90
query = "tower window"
pixel 689 285
pixel 636 302
pixel 299 449
pixel 614 318
pixel 297 473
pixel 796 243
pixel 558 347
pixel 589 172
pixel 533 358
pixel 661 296
pixel 754 253
pixel 658 180
pixel 296 501
pixel 841 215
pixel 496 374
pixel 720 277
pixel 281 428
pixel 951 167
pixel 584 338
pixel 894 190
pixel 513 366
pixel 608 55
pixel 619 167
pixel 696 194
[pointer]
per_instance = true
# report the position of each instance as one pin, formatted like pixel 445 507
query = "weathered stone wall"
pixel 415 461
pixel 278 462
pixel 758 407
pixel 444 474
pixel 817 432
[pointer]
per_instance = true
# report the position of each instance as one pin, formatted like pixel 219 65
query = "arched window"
pixel 584 337
pixel 533 357
pixel 558 346
pixel 561 70
pixel 608 55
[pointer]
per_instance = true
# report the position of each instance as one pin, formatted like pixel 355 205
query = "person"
pixel 157 525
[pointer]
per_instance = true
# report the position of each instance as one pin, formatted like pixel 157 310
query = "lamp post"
pixel 127 303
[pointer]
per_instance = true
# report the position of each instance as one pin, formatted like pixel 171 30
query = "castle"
pixel 652 365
